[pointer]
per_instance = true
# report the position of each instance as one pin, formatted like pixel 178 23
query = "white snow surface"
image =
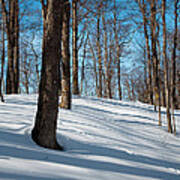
pixel 103 140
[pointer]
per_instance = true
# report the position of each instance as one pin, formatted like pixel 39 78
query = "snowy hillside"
pixel 103 140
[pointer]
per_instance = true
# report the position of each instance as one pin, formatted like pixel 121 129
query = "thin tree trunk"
pixel 94 66
pixel 173 64
pixel 44 131
pixel 150 89
pixel 107 77
pixel 16 47
pixel 166 78
pixel 66 85
pixel 83 65
pixel 75 89
pixel 99 56
pixel 2 62
pixel 154 52
pixel 158 74
pixel 117 53
pixel 110 74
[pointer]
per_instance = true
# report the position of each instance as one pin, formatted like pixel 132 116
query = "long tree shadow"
pixel 71 157
pixel 6 175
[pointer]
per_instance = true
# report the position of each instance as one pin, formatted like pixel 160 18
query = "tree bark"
pixel 173 64
pixel 75 89
pixel 118 62
pixel 66 86
pixel 154 53
pixel 16 47
pixel 99 56
pixel 94 65
pixel 44 131
pixel 11 20
pixel 150 89
pixel 83 64
pixel 2 61
pixel 106 61
pixel 166 78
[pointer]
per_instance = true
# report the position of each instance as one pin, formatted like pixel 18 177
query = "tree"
pixel 166 73
pixel 66 86
pixel 173 64
pixel 75 89
pixel 44 131
pixel 143 10
pixel 2 61
pixel 11 19
pixel 117 52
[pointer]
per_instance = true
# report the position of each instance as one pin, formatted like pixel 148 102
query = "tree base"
pixel 53 144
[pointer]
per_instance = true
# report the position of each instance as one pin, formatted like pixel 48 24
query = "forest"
pixel 114 49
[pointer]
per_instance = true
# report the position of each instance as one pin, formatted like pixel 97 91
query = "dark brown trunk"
pixel 173 64
pixel 75 87
pixel 44 131
pixel 16 47
pixel 66 86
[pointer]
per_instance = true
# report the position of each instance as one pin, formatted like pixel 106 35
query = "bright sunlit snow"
pixel 103 140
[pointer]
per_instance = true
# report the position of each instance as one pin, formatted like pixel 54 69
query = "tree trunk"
pixel 166 78
pixel 107 75
pixel 118 63
pixel 16 47
pixel 173 64
pixel 11 20
pixel 150 89
pixel 154 53
pixel 83 65
pixel 99 56
pixel 75 89
pixel 44 131
pixel 94 65
pixel 2 62
pixel 158 74
pixel 66 86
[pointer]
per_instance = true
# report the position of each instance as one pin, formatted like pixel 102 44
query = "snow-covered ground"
pixel 103 140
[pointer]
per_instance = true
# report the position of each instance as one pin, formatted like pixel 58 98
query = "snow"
pixel 103 140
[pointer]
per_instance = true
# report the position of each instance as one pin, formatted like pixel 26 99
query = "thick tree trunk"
pixel 66 86
pixel 75 89
pixel 44 131
pixel 166 78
